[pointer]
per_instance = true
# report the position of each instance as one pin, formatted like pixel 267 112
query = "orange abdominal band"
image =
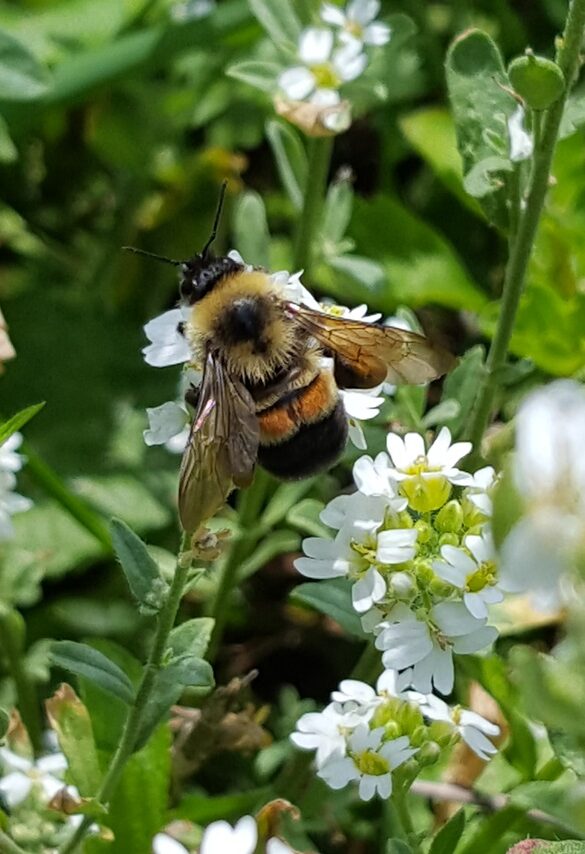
pixel 311 404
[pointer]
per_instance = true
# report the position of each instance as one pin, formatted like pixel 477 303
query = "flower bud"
pixel 539 81
pixel 448 540
pixel 401 584
pixel 428 754
pixel 426 493
pixel 450 518
pixel 425 531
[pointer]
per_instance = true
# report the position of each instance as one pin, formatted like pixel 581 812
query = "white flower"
pixel 549 472
pixel 357 22
pixel 478 490
pixel 323 69
pixel 395 684
pixel 472 570
pixel 360 312
pixel 165 844
pixel 323 731
pixel 220 837
pixel 356 700
pixel 277 846
pixel 398 545
pixel 370 762
pixel 9 459
pixel 472 728
pixel 372 477
pixel 168 346
pixel 521 142
pixel 166 422
pixel 24 775
pixel 10 503
pixel 360 405
pixel 427 646
pixel 425 476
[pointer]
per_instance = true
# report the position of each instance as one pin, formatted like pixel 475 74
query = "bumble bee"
pixel 269 395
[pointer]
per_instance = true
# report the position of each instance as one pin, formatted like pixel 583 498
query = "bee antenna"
pixel 153 255
pixel 205 249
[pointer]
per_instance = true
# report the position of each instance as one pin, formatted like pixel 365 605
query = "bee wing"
pixel 222 447
pixel 366 355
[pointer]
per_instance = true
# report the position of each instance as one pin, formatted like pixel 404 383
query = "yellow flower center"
pixel 484 576
pixel 370 762
pixel 325 76
pixel 425 493
pixel 355 29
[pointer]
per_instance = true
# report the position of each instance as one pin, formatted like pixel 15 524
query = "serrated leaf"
pixel 83 660
pixel 22 77
pixel 141 571
pixel 445 842
pixel 291 159
pixel 19 420
pixel 70 719
pixel 476 80
pixel 278 18
pixel 260 75
pixel 333 598
pixel 251 230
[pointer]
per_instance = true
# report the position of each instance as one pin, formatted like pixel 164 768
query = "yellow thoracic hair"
pixel 240 359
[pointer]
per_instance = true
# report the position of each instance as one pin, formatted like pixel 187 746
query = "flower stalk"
pixel 147 685
pixel 319 151
pixel 568 60
pixel 27 700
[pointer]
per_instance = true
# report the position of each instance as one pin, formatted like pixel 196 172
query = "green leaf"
pixel 509 506
pixel 191 637
pixel 137 808
pixel 290 157
pixel 337 209
pixel 203 809
pixel 420 266
pixel 491 830
pixel 481 106
pixel 184 671
pixel 141 571
pixel 85 661
pixel 251 230
pixel 260 75
pixel 444 411
pixel 461 385
pixel 305 517
pixel 359 269
pixel 19 420
pixel 4 723
pixel 398 846
pixel 285 496
pixel 22 77
pixel 333 598
pixel 445 842
pixel 70 719
pixel 272 545
pixel 8 150
pixel 278 18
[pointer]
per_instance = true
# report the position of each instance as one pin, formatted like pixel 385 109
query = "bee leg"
pixel 192 396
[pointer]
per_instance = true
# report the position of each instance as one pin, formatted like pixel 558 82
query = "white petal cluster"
pixel 10 501
pixel 22 776
pixel 221 838
pixel 169 423
pixel 549 474
pixel 364 735
pixel 414 542
pixel 357 22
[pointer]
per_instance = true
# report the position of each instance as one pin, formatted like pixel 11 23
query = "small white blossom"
pixel 324 732
pixel 373 477
pixel 277 846
pixel 360 312
pixel 521 142
pixel 10 504
pixel 168 346
pixel 357 22
pixel 165 844
pixel 370 762
pixel 360 405
pixel 323 70
pixel 478 489
pixel 10 460
pixel 471 727
pixel 473 571
pixel 220 837
pixel 22 776
pixel 165 423
pixel 425 647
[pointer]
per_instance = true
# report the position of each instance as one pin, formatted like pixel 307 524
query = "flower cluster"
pixel 415 542
pixel 366 735
pixel 331 55
pixel 220 838
pixel 10 501
pixel 549 477
pixel 169 422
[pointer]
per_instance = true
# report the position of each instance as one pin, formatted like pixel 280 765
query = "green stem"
pixel 319 151
pixel 368 666
pixel 12 641
pixel 568 59
pixel 399 798
pixel 7 846
pixel 249 505
pixel 125 749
